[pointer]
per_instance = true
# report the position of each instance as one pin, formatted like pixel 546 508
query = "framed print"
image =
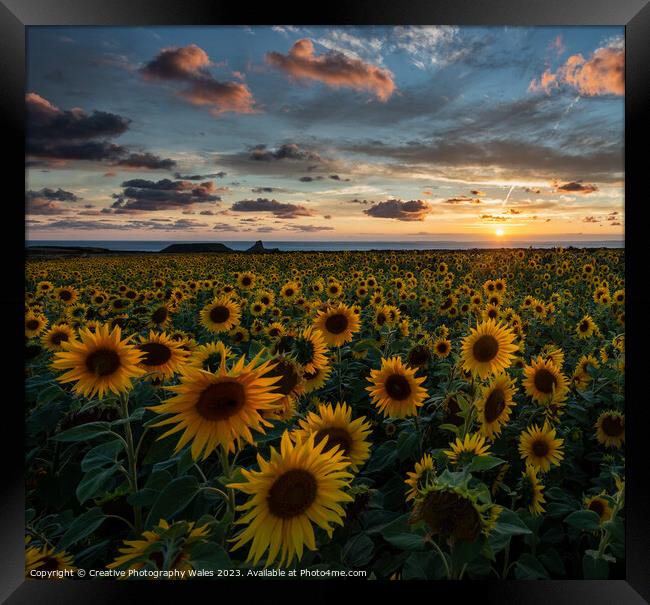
pixel 335 297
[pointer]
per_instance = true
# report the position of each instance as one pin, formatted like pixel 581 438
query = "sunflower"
pixel 419 356
pixel 442 347
pixel 335 425
pixel 35 323
pixel 289 291
pixel 310 349
pixel 554 354
pixel 66 294
pixel 531 491
pixel 540 448
pixel 316 379
pixel 600 506
pixel 610 429
pixel 544 382
pixel 221 314
pixel 100 362
pixel 159 315
pixel 208 356
pixel 47 559
pixel 586 327
pixel 219 408
pixel 494 405
pixel 289 385
pixel 275 329
pixel 337 324
pixel 421 477
pixel 163 357
pixel 160 545
pixel 488 349
pixel 299 486
pixel 464 450
pixel 246 280
pixel 53 339
pixel 454 512
pixel 395 390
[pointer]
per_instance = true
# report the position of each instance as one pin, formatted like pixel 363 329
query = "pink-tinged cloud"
pixel 189 64
pixel 575 187
pixel 220 96
pixel 334 69
pixel 557 44
pixel 176 63
pixel 603 73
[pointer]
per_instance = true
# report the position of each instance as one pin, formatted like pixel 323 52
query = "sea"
pixel 157 246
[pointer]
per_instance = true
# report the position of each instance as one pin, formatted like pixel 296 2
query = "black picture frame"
pixel 16 15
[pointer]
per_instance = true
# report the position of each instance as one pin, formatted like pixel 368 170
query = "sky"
pixel 324 133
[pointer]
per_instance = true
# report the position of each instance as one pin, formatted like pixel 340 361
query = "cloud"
pixel 48 201
pixel 334 69
pixel 74 134
pixel 477 192
pixel 493 219
pixel 278 209
pixel 200 177
pixel 591 219
pixel 310 179
pixel 144 195
pixel 147 160
pixel 190 64
pixel 535 190
pixel 309 228
pixel 287 151
pixel 462 199
pixel 575 187
pixel 151 224
pixel 601 74
pixel 413 210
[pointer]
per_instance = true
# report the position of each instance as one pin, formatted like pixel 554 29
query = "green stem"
pixel 131 459
pixel 443 557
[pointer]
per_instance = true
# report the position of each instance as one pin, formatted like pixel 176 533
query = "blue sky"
pixel 324 132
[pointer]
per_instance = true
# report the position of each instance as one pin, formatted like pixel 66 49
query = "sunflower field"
pixel 385 415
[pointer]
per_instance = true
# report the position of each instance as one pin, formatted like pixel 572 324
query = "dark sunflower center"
pixel 221 400
pixel 103 362
pixel 612 426
pixel 381 319
pixel 156 353
pixel 544 381
pixel 494 405
pixel 597 506
pixel 289 376
pixel 441 347
pixel 58 337
pixel 32 324
pixel 304 351
pixel 485 348
pixel 540 448
pixel 219 314
pixel 292 494
pixel 335 437
pixel 492 313
pixel 584 326
pixel 265 300
pixel 65 295
pixel 246 281
pixel 159 315
pixel 418 356
pixel 336 324
pixel 397 387
pixel 289 292
pixel 449 514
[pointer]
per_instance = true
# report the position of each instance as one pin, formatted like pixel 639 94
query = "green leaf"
pixel 449 427
pixel 173 499
pixel 403 535
pixel 594 567
pixel 101 455
pixel 510 524
pixel 84 432
pixel 484 463
pixel 209 555
pixel 49 394
pixel 81 527
pixel 586 520
pixel 552 561
pixel 93 482
pixel 423 566
pixel 407 445
pixel 382 457
pixel 358 550
pixel 529 568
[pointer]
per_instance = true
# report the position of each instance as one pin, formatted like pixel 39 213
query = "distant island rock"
pixel 258 248
pixel 184 248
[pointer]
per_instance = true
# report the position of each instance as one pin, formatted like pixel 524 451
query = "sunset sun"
pixel 499 232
